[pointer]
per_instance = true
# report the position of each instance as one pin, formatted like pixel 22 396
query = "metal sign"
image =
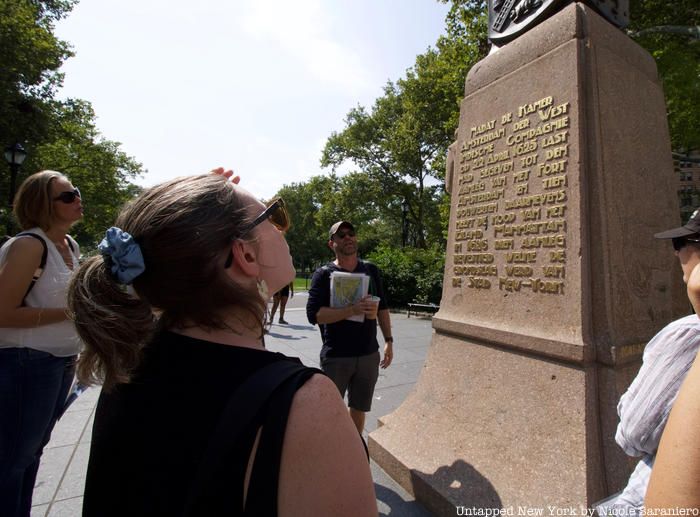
pixel 509 19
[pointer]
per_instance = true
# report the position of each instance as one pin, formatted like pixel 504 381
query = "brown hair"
pixel 184 228
pixel 32 204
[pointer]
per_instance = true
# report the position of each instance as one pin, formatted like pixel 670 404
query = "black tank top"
pixel 150 435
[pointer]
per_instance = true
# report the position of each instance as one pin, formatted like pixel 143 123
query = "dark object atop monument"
pixel 509 19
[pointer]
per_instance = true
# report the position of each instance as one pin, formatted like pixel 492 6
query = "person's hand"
pixel 359 307
pixel 228 174
pixel 388 355
pixel 694 288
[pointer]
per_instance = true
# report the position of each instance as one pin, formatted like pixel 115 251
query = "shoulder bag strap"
pixel 241 409
pixel 40 270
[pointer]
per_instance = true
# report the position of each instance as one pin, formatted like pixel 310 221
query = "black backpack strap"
pixel 262 494
pixel 241 410
pixel 44 255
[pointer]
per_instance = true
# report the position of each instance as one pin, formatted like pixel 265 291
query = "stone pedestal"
pixel 560 175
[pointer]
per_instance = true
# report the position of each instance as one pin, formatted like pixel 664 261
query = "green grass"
pixel 300 284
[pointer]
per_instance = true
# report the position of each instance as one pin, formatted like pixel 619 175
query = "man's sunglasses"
pixel 276 212
pixel 346 233
pixel 681 242
pixel 68 196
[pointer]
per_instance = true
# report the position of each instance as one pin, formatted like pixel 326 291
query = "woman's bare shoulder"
pixel 324 467
pixel 26 251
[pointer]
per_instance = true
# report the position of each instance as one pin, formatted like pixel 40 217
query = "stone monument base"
pixel 492 428
pixel 516 405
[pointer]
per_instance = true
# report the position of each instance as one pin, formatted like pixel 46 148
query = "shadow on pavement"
pixel 398 507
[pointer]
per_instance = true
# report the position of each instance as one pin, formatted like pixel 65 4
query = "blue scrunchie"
pixel 127 260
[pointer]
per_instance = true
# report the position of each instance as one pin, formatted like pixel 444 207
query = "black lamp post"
pixel 15 155
pixel 404 222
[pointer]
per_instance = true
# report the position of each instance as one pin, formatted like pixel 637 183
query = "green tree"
pixel 30 58
pixel 401 144
pixel 96 165
pixel 305 236
pixel 678 60
pixel 57 135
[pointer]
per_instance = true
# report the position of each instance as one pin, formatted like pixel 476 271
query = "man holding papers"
pixel 347 300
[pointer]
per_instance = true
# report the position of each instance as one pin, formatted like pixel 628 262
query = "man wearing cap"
pixel 350 352
pixel 645 406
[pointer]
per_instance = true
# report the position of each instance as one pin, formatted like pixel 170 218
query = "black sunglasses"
pixel 276 212
pixel 681 242
pixel 342 235
pixel 68 196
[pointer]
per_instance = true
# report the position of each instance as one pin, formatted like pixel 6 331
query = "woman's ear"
pixel 245 258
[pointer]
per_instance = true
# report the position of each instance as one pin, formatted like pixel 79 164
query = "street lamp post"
pixel 15 155
pixel 404 222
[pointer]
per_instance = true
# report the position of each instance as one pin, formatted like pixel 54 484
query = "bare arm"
pixel 384 320
pixel 675 478
pixel 327 315
pixel 16 274
pixel 324 468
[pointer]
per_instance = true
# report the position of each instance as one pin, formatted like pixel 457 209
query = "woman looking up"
pixel 38 344
pixel 172 316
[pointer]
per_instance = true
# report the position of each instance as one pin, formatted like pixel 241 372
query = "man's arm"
pixel 384 320
pixel 327 315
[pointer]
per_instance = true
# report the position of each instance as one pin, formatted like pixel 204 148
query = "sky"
pixel 257 86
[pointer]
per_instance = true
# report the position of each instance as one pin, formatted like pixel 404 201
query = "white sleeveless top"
pixel 50 291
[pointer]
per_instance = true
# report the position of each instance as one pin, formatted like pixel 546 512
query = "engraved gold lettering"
pixel 523 124
pixel 557 152
pixel 551 112
pixel 532 214
pixel 518 271
pixel 556 211
pixel 482 128
pixel 526 109
pixel 544 241
pixel 471 188
pixel 545 286
pixel 521 257
pixel 479 283
pixel 547 169
pixel 528 161
pixel 557 256
pixel 554 182
pixel 519 177
pixel 503 244
pixel 553 271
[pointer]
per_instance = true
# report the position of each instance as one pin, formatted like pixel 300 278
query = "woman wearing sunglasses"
pixel 172 314
pixel 38 344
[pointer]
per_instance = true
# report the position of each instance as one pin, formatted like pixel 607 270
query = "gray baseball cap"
pixel 337 226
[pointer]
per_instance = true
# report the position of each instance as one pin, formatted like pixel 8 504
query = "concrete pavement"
pixel 59 488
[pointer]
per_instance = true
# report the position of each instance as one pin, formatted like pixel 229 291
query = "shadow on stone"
pixel 450 487
pixel 398 507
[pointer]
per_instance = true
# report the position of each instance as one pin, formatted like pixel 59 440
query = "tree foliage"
pixel 411 274
pixel 96 165
pixel 30 55
pixel 58 135
pixel 401 143
pixel 678 60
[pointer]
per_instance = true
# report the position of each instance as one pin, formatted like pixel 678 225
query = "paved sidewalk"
pixel 61 479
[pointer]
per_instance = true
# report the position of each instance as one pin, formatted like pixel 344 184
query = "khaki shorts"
pixel 356 375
